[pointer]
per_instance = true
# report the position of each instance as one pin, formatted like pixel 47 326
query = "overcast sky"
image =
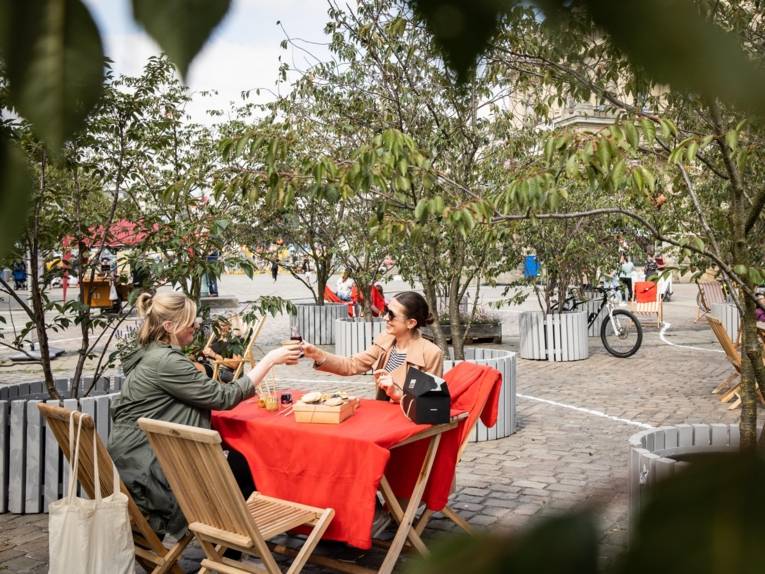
pixel 240 55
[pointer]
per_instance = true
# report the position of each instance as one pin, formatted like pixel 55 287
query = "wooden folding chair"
pixel 217 514
pixel 729 390
pixel 648 301
pixel 447 510
pixel 247 356
pixel 710 292
pixel 149 550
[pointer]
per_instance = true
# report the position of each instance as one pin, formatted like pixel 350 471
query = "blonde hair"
pixel 157 309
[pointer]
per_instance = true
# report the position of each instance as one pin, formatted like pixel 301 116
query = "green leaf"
pixel 461 28
pixel 564 544
pixel 15 193
pixel 740 270
pixel 55 64
pixel 693 147
pixel 180 27
pixel 632 134
pixel 684 49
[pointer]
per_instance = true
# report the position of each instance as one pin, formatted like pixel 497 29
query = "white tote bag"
pixel 90 536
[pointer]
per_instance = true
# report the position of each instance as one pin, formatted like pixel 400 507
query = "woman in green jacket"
pixel 162 383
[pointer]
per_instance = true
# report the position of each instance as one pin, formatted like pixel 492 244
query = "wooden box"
pixel 323 414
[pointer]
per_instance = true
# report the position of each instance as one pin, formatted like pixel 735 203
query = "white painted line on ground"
pixel 666 327
pixel 587 411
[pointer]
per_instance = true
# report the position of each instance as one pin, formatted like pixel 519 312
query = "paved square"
pixel 570 448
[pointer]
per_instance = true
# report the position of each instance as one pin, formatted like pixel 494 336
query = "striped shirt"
pixel 395 359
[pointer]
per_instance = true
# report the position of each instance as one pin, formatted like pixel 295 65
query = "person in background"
pixel 651 268
pixel 275 269
pixel 626 267
pixel 163 384
pixel 759 311
pixel 344 287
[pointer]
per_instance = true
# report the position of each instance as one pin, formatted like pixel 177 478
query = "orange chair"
pixel 648 301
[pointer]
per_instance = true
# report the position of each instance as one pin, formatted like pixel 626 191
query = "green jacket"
pixel 162 384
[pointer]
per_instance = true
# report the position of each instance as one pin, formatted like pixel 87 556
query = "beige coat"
pixel 420 353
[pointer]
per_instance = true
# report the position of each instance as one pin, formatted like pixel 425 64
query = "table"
pixel 342 466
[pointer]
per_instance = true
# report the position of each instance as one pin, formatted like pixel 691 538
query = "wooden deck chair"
pixel 247 356
pixel 710 292
pixel 217 514
pixel 729 390
pixel 648 301
pixel 149 550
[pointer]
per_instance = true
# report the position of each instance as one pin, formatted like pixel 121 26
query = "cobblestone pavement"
pixel 570 448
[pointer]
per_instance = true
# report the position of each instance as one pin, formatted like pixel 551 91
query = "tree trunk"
pixel 39 317
pixel 455 321
pixel 750 351
pixel 322 277
pixel 429 289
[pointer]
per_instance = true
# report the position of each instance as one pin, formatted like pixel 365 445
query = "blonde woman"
pixel 162 383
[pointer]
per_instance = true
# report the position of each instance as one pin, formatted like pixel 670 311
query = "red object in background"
pixel 340 466
pixel 645 292
pixel 122 233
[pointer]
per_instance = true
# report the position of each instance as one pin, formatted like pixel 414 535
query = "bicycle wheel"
pixel 622 337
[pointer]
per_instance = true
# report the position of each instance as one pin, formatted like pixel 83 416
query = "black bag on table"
pixel 426 398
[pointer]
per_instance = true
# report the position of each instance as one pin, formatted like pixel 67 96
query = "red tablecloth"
pixel 340 466
pixel 325 465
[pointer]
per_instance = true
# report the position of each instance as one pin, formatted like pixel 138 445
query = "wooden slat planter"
pixel 505 363
pixel 354 335
pixel 317 322
pixel 31 465
pixel 651 451
pixel 728 315
pixel 554 337
pixel 593 306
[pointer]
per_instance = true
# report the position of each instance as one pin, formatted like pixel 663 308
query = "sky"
pixel 240 55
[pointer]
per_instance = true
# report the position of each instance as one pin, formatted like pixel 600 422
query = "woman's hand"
pixel 384 381
pixel 208 352
pixel 312 351
pixel 284 356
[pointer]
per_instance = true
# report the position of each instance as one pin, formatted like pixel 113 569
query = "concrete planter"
pixel 31 468
pixel 554 337
pixel 354 335
pixel 728 315
pixel 505 363
pixel 317 322
pixel 651 451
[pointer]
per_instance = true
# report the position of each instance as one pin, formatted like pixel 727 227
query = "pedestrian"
pixel 626 267
pixel 344 287
pixel 210 276
pixel 274 269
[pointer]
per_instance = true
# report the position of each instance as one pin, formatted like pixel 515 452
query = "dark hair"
pixel 416 307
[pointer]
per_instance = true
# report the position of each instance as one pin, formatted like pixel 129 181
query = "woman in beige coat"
pixel 391 354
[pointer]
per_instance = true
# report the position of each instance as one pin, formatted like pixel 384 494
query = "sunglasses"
pixel 388 314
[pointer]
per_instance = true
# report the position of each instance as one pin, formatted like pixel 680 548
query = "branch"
pixel 12 293
pixel 757 205
pixel 697 206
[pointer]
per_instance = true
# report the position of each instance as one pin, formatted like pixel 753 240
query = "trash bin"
pixel 530 266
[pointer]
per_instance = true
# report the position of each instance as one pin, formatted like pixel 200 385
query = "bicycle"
pixel 621 333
